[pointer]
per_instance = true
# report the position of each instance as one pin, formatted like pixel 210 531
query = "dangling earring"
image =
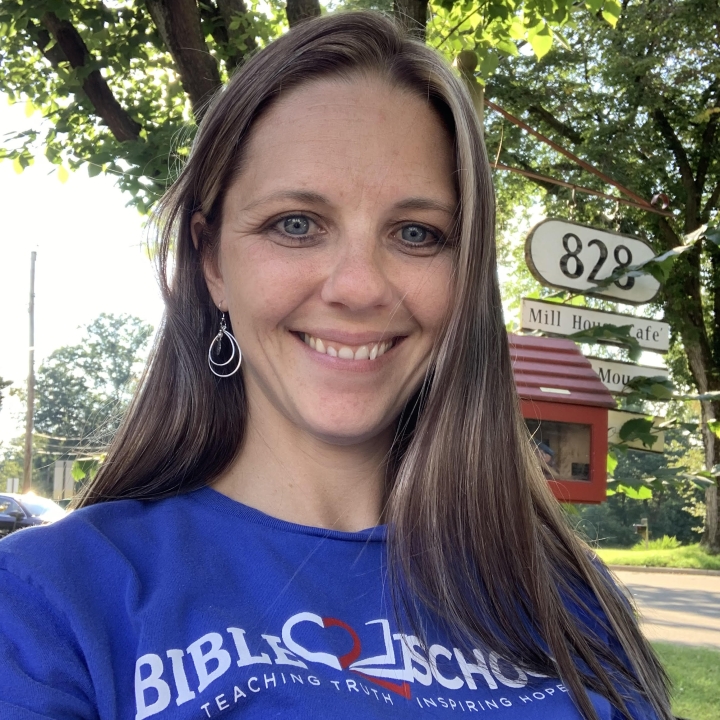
pixel 216 348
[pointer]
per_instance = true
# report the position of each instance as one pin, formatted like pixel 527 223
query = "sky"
pixel 90 260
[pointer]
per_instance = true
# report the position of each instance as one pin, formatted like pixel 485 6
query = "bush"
pixel 664 543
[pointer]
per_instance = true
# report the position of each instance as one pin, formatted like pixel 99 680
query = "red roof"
pixel 554 370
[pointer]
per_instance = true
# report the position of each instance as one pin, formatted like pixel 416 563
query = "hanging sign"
pixel 557 319
pixel 570 256
pixel 617 418
pixel 615 375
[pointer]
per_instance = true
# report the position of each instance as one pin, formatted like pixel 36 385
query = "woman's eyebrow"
pixel 315 198
pixel 300 196
pixel 422 203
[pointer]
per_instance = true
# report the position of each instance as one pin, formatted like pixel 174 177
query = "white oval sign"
pixel 569 256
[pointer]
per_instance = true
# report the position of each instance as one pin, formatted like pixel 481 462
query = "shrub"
pixel 664 543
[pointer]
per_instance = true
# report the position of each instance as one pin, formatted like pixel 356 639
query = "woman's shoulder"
pixel 87 539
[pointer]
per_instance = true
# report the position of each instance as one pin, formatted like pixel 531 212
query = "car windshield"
pixel 40 505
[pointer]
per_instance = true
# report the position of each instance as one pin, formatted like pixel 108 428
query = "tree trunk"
pixel 683 306
pixel 412 15
pixel 178 23
pixel 711 537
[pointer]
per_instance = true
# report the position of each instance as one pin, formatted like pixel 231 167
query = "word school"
pixel 160 677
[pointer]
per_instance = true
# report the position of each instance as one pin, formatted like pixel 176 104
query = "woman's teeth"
pixel 363 352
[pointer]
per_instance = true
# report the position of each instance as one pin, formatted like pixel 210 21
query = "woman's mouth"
pixel 369 351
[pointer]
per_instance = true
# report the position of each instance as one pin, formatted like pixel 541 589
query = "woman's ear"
pixel 197 228
pixel 210 264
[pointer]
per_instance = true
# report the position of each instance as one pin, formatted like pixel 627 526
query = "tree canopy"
pixel 120 85
pixel 81 390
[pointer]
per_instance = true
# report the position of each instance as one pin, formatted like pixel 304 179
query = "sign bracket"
pixel 635 200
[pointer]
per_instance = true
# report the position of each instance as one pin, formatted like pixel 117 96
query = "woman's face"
pixel 331 260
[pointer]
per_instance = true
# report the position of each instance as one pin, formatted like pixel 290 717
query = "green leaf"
pixel 610 334
pixel 594 6
pixel 612 462
pixel 713 235
pixel 541 41
pixel 508 47
pixel 94 169
pixel 488 65
pixel 18 167
pixel 611 12
pixel 79 470
pixel 63 174
pixel 635 493
pixel 638 429
pixel 517 29
pixel 661 391
pixel 714 426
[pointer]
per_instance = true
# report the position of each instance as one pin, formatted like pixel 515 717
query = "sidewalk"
pixel 668 570
pixel 676 607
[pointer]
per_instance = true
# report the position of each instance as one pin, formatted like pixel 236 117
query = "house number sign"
pixel 570 256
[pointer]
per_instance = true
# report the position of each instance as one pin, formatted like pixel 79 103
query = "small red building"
pixel 565 406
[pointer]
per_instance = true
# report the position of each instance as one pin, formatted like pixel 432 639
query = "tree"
pixel 81 394
pixel 3 385
pixel 641 103
pixel 121 85
pixel 82 389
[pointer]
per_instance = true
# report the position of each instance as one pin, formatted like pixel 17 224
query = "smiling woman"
pixel 324 499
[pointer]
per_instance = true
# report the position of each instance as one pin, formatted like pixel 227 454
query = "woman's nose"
pixel 358 280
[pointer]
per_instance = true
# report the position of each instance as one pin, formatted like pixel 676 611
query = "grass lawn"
pixel 695 673
pixel 688 556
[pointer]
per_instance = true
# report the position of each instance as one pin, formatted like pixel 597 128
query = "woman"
pixel 332 369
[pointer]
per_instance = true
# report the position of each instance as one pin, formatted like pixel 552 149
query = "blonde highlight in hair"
pixel 475 538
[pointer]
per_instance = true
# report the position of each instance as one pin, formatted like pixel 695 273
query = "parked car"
pixel 21 511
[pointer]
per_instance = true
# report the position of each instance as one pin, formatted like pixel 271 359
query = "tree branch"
pixel 178 23
pixel 706 154
pixel 41 37
pixel 684 310
pixel 412 15
pixel 683 164
pixel 74 50
pixel 298 10
pixel 668 236
pixel 550 188
pixel 565 130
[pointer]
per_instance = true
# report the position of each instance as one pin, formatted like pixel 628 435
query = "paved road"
pixel 677 608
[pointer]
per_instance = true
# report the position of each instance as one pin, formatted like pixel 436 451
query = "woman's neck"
pixel 289 474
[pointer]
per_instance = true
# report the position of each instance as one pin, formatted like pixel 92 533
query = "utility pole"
pixel 27 467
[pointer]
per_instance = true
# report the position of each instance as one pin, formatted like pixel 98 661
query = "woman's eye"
pixel 421 237
pixel 414 234
pixel 296 225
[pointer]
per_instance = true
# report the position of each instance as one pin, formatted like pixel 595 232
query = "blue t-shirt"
pixel 200 607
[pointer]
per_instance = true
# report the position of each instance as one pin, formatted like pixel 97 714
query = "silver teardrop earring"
pixel 216 349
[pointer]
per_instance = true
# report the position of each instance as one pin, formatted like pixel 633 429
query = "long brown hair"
pixel 475 537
